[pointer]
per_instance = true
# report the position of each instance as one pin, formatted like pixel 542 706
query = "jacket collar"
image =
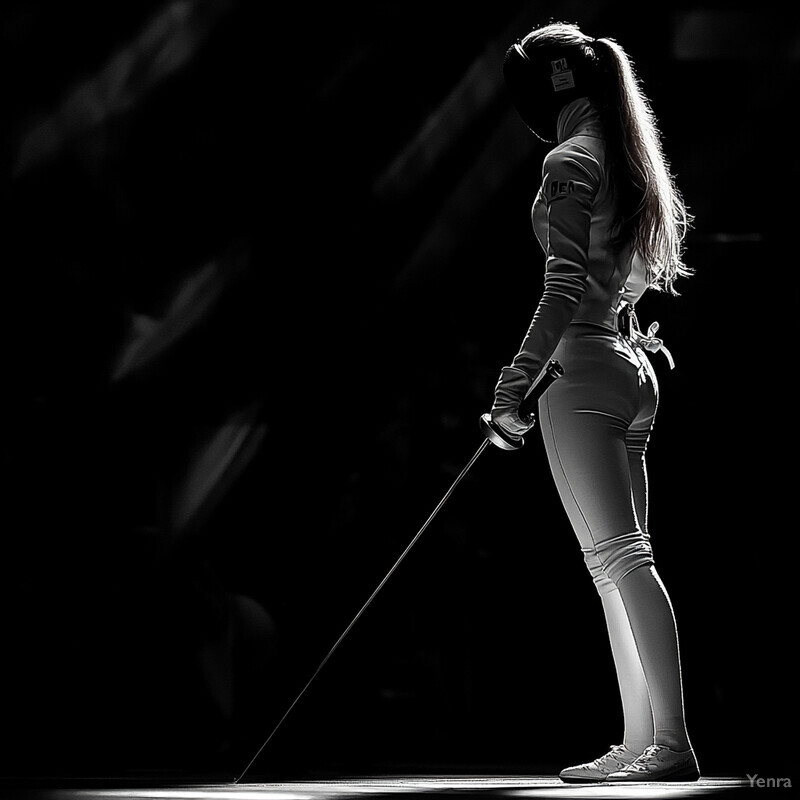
pixel 580 117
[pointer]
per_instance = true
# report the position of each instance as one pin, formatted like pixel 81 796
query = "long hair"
pixel 651 214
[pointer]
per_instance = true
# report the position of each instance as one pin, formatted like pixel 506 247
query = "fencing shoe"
pixel 659 763
pixel 595 771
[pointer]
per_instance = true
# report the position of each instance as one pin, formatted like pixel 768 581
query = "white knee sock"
pixel 652 625
pixel 636 710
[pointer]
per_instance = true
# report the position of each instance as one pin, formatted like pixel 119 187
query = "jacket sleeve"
pixel 571 179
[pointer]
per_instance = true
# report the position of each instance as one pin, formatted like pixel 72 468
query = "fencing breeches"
pixel 596 422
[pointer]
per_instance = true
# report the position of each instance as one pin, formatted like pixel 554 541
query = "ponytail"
pixel 651 211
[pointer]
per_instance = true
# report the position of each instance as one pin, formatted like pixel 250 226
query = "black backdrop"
pixel 262 264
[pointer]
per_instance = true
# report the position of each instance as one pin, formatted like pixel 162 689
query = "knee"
pixel 636 441
pixel 611 560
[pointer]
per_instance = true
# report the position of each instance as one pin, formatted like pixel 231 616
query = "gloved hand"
pixel 508 394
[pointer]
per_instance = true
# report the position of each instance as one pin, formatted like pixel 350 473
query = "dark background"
pixel 262 265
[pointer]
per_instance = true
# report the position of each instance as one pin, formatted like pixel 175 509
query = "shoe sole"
pixel 686 774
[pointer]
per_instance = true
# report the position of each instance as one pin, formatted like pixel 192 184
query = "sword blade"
pixel 366 605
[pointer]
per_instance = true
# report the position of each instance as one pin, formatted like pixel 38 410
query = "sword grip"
pixel 508 441
pixel 529 403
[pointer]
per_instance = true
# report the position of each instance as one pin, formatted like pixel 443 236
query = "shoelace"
pixel 617 748
pixel 646 761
